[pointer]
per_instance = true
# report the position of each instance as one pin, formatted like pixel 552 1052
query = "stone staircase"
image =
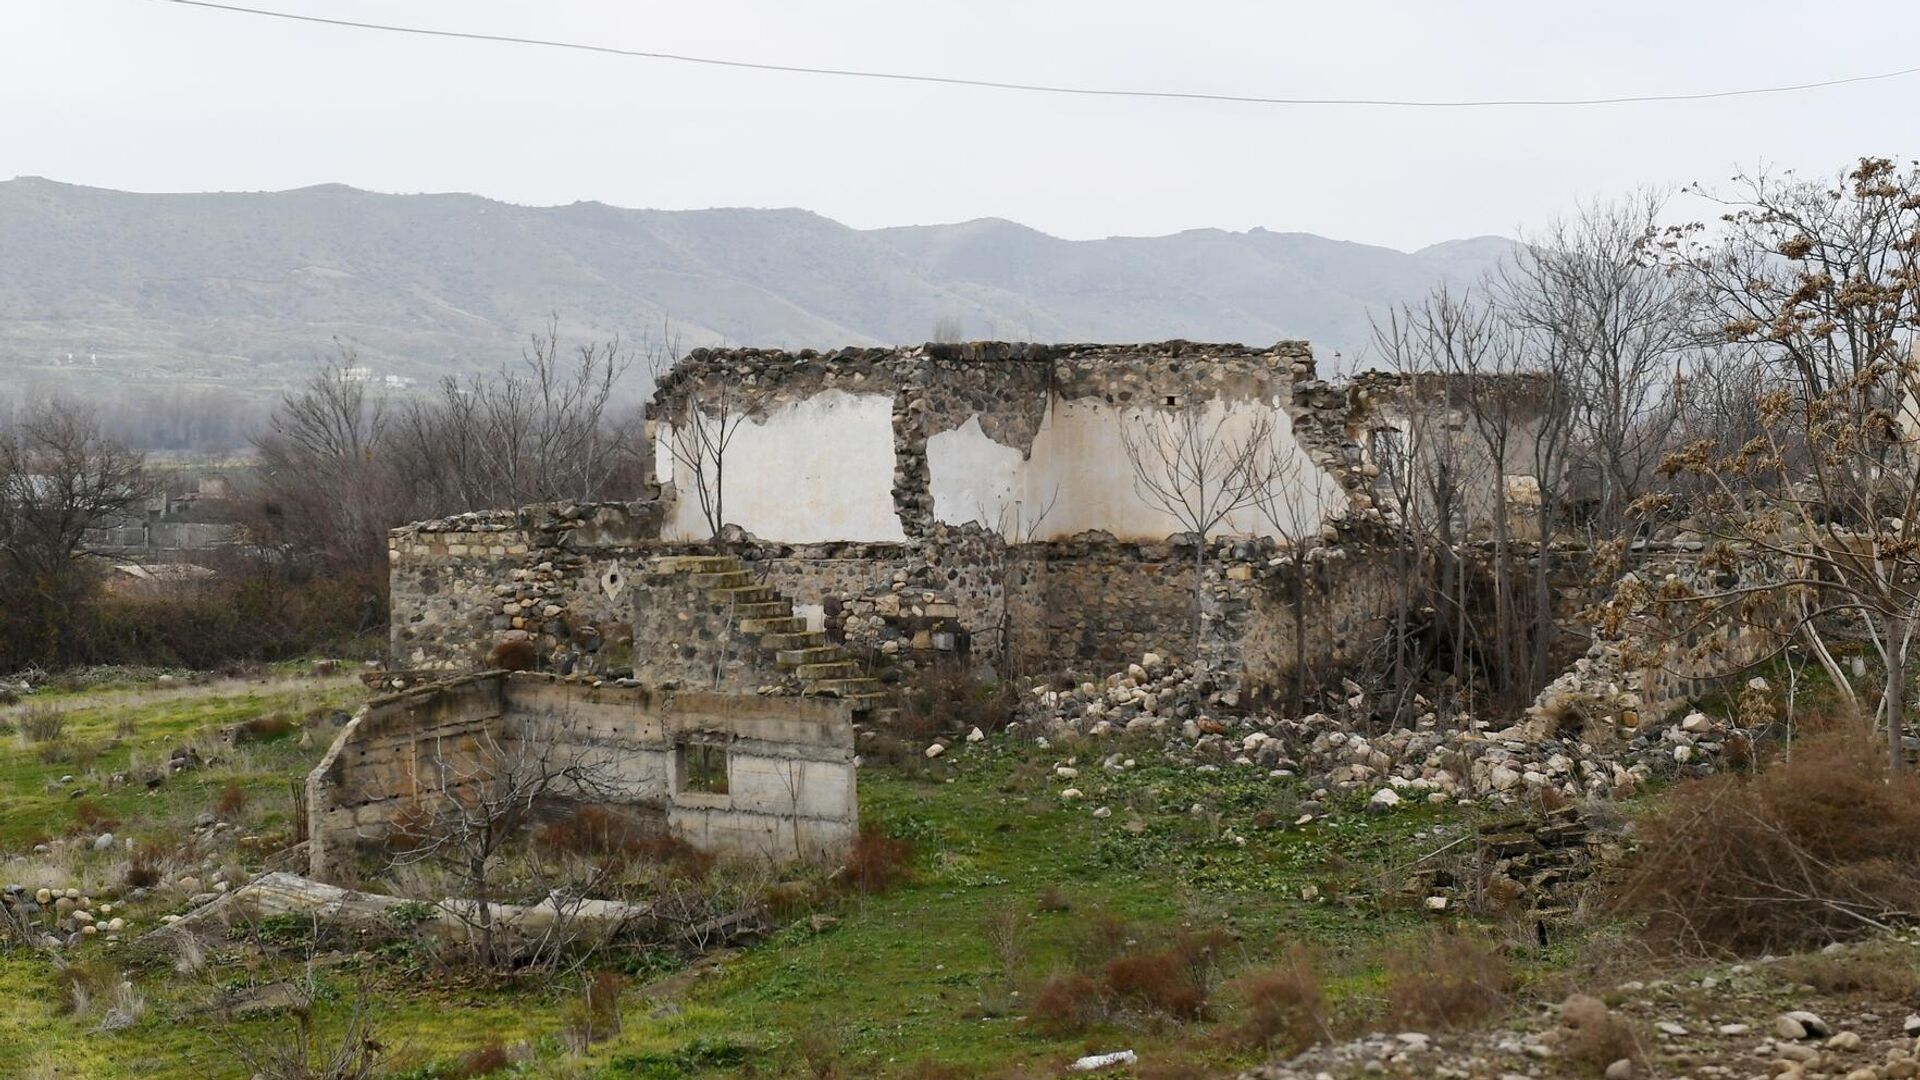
pixel 762 614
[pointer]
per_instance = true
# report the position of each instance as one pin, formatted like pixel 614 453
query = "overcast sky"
pixel 153 96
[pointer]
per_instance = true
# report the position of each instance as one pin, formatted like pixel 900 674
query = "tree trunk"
pixel 1299 635
pixel 482 912
pixel 1199 591
pixel 1896 693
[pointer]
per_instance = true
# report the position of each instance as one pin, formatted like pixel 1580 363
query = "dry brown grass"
pixel 1448 981
pixel 231 800
pixel 516 655
pixel 1129 972
pixel 91 817
pixel 1065 1003
pixel 1880 975
pixel 877 862
pixel 484 1060
pixel 1820 847
pixel 1282 1008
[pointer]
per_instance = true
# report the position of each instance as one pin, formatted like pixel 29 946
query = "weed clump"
pixel 231 800
pixel 877 862
pixel 43 724
pixel 1282 1007
pixel 1818 847
pixel 1450 981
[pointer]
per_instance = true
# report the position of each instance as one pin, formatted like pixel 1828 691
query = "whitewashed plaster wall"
pixel 813 470
pixel 1078 475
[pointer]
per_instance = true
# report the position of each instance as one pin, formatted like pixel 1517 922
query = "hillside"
pixel 246 290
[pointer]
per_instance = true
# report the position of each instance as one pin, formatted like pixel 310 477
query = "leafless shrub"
pixel 877 862
pixel 1448 981
pixel 595 1015
pixel 484 1060
pixel 1818 847
pixel 303 1048
pixel 1884 976
pixel 43 723
pixel 125 1006
pixel 1281 1007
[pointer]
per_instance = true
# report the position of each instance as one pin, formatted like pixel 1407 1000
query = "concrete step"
pixel 695 564
pixel 811 654
pixel 743 594
pixel 787 624
pixel 842 688
pixel 727 579
pixel 763 609
pixel 833 669
pixel 805 639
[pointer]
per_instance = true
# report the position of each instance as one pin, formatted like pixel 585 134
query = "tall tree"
pixel 60 478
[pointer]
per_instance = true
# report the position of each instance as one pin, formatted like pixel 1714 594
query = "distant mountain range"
pixel 248 291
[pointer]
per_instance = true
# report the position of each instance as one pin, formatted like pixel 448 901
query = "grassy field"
pixel 904 982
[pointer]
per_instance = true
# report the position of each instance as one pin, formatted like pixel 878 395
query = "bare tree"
pixel 1601 311
pixel 1822 282
pixel 1198 472
pixel 698 442
pixel 544 431
pixel 948 330
pixel 328 486
pixel 484 789
pixel 60 478
pixel 1289 500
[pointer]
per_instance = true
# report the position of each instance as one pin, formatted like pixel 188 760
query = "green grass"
pixel 901 980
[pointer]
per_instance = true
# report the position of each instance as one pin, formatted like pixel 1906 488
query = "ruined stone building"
pixel 877 508
pixel 973 498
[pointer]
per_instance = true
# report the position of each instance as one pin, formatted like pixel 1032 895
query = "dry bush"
pixel 264 728
pixel 484 1060
pixel 1594 1035
pixel 43 724
pixel 231 800
pixel 946 697
pixel 1066 1003
pixel 1282 1007
pixel 877 862
pixel 615 843
pixel 90 817
pixel 1175 981
pixel 1006 931
pixel 1449 981
pixel 1051 899
pixel 1882 976
pixel 517 654
pixel 144 868
pixel 595 1015
pixel 1821 846
pixel 125 1007
pixel 1125 970
pixel 79 755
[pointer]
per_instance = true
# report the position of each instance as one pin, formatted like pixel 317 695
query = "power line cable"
pixel 1043 88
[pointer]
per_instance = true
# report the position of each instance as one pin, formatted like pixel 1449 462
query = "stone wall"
pixel 1024 440
pixel 788 790
pixel 462 585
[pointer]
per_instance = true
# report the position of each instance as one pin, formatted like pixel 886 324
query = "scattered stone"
pixel 935 751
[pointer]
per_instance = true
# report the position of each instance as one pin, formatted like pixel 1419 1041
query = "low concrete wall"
pixel 788 792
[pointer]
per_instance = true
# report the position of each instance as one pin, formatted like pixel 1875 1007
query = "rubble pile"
pixel 1441 757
